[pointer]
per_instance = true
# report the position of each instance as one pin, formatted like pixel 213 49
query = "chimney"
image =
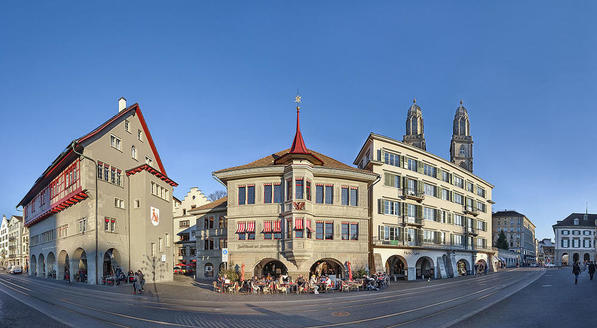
pixel 121 104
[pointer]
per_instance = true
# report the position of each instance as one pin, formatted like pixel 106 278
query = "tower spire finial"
pixel 298 144
pixel 414 100
pixel 460 102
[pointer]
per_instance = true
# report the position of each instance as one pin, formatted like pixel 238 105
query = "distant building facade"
pixel 211 237
pixel 520 234
pixel 430 217
pixel 18 245
pixel 545 252
pixel 184 224
pixel 575 239
pixel 103 203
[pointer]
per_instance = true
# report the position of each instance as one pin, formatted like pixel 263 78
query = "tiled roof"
pixel 507 213
pixel 222 202
pixel 269 161
pixel 569 220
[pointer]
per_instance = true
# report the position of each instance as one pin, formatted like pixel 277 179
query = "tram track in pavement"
pixel 401 295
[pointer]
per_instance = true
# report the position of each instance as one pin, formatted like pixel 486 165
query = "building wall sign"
pixel 155 216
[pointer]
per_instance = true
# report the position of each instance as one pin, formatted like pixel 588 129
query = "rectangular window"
pixel 118 203
pixel 106 172
pixel 113 175
pixel 299 188
pixel 319 194
pixel 140 135
pixel 470 187
pixel 430 170
pixel 481 191
pixel 329 194
pixel 458 198
pixel 354 231
pixel 137 203
pixel 277 193
pixel 458 220
pixel 118 177
pixel 412 164
pixel 308 190
pixel 160 245
pixel 319 230
pixel 344 195
pixel 267 193
pixel 99 170
pixel 458 182
pixel 242 195
pixel 411 187
pixel 391 159
pixel 391 207
pixel 391 180
pixel 329 231
pixel 115 142
pixel 445 176
pixel 126 126
pixel 445 194
pixel 299 228
pixel 345 231
pixel 250 194
pixel 288 189
pixel 82 225
pixel 152 249
pixel 429 214
pixel 430 190
pixel 354 196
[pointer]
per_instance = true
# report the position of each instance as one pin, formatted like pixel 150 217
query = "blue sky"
pixel 216 80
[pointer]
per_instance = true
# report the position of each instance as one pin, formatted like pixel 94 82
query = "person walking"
pixel 591 269
pixel 141 279
pixel 576 272
pixel 135 283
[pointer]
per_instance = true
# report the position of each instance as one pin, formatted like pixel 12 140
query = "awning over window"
pixel 298 224
pixel 241 227
pixel 309 225
pixel 267 226
pixel 277 226
pixel 251 226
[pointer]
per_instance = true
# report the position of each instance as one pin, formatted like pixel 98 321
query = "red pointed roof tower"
pixel 298 150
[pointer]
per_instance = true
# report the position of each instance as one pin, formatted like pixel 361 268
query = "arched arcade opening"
pixel 63 267
pixel 425 269
pixel 462 267
pixel 328 267
pixel 396 267
pixel 271 267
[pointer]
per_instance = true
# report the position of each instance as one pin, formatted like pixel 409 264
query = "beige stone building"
pixel 296 211
pixel 184 224
pixel 210 238
pixel 18 244
pixel 431 218
pixel 520 234
pixel 103 203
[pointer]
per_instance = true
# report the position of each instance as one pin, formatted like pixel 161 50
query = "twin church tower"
pixel 461 146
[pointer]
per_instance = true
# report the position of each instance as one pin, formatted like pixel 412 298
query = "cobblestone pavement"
pixel 185 303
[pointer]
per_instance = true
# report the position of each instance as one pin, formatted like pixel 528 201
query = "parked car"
pixel 16 269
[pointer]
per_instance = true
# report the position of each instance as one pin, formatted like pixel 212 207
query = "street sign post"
pixel 224 254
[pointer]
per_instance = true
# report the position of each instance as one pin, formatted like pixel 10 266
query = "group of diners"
pixel 284 284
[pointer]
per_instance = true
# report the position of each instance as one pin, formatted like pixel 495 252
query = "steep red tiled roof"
pixel 270 159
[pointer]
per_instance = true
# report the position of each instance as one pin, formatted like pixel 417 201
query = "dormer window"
pixel 576 221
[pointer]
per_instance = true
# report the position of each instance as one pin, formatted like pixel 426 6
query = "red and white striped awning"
pixel 277 226
pixel 309 225
pixel 251 226
pixel 241 227
pixel 298 224
pixel 267 226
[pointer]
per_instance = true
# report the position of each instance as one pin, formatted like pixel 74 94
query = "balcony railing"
pixel 471 231
pixel 396 242
pixel 470 210
pixel 414 194
pixel 412 220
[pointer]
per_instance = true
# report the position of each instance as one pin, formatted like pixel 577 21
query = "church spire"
pixel 298 144
pixel 414 127
pixel 461 147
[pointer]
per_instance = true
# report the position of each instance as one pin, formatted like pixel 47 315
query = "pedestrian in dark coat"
pixel 576 272
pixel 591 270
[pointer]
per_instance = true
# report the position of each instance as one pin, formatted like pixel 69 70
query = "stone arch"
pixel 463 267
pixel 63 267
pixel 327 266
pixel 41 266
pixel 33 266
pixel 397 267
pixel 586 257
pixel 270 266
pixel 111 262
pixel 575 258
pixel 424 268
pixel 481 265
pixel 51 265
pixel 565 260
pixel 79 265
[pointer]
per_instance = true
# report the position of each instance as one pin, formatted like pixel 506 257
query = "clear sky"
pixel 216 81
